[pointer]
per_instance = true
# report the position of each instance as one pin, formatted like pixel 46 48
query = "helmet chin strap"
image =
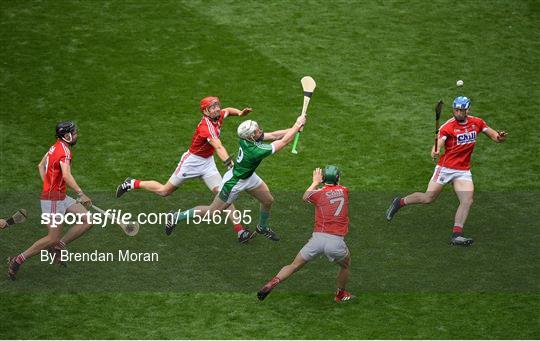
pixel 259 139
pixel 70 138
pixel 70 141
pixel 464 119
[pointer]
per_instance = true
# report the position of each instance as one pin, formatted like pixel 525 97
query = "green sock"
pixel 263 220
pixel 185 215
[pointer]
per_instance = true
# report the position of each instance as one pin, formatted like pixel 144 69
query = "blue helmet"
pixel 462 102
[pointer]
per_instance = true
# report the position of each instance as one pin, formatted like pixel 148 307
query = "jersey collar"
pixel 65 143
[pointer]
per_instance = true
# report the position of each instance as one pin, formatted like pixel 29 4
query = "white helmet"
pixel 246 129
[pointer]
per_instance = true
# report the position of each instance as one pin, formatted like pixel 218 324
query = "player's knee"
pixel 467 201
pixel 164 191
pixel 84 220
pixel 429 198
pixel 345 263
pixel 268 201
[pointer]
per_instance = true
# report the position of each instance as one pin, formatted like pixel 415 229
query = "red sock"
pixel 457 229
pixel 401 202
pixel 238 228
pixel 20 258
pixel 136 184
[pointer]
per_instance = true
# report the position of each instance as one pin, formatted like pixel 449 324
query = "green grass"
pixel 284 316
pixel 131 74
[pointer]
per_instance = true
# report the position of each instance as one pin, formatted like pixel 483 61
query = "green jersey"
pixel 250 155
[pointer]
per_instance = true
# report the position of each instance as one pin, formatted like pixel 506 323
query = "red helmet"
pixel 209 101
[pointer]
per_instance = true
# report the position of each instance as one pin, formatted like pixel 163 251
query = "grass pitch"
pixel 131 74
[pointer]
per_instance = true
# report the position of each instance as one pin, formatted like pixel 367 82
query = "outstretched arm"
pixel 237 112
pixel 289 135
pixel 497 136
pixel 221 152
pixel 317 179
pixel 275 135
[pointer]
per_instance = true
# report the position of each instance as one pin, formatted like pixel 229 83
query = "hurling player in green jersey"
pixel 242 177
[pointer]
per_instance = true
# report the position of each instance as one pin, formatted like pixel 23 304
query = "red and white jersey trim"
pixel 182 160
pixel 207 130
pixel 312 193
pixel 211 129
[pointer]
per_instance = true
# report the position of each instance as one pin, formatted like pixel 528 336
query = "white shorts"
pixel 192 166
pixel 235 188
pixel 57 206
pixel 332 246
pixel 443 175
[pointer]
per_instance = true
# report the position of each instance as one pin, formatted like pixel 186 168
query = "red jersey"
pixel 331 209
pixel 460 141
pixel 206 131
pixel 54 186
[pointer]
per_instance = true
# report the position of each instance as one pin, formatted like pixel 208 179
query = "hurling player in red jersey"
pixel 331 226
pixel 198 162
pixel 458 135
pixel 55 171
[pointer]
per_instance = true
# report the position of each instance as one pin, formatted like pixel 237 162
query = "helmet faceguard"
pixel 261 137
pixel 66 130
pixel 209 103
pixel 331 175
pixel 461 107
